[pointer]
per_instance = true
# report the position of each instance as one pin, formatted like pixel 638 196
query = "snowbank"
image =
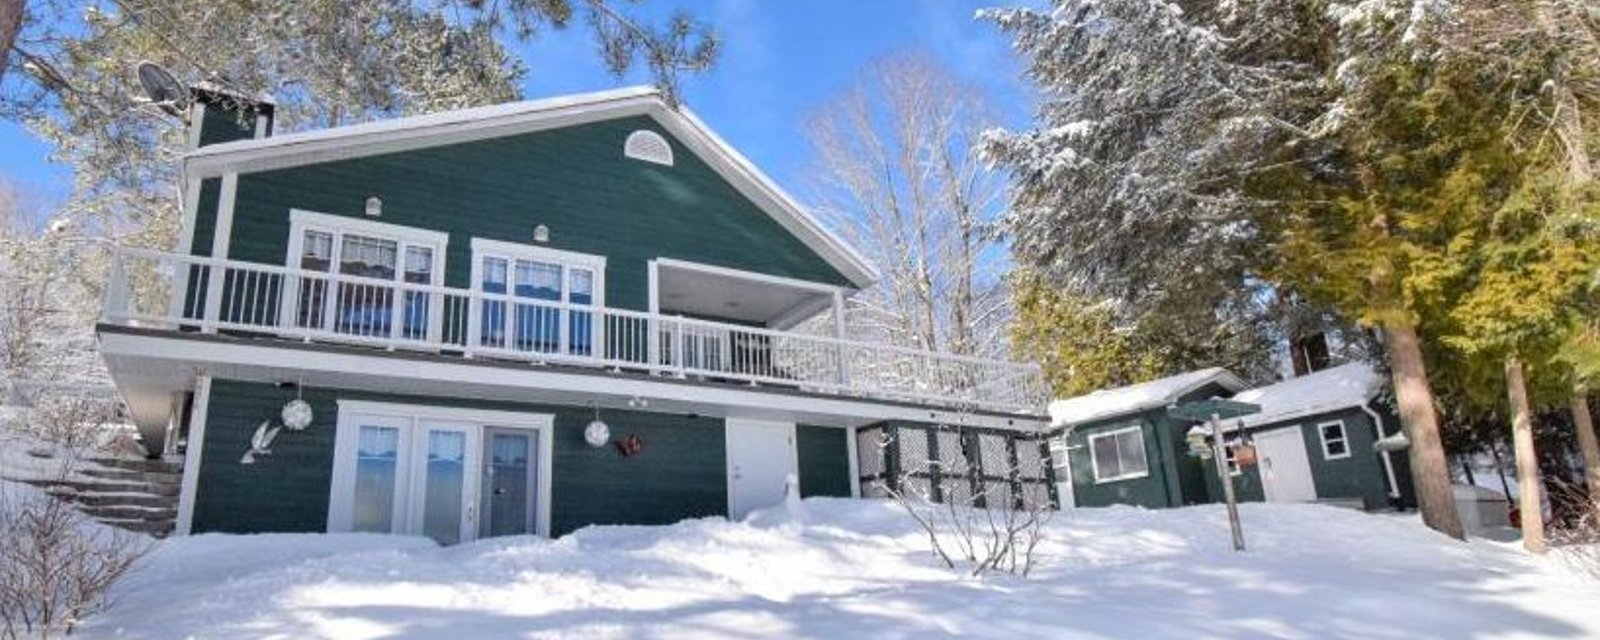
pixel 848 569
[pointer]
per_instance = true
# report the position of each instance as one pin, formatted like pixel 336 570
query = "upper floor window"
pixel 380 252
pixel 542 297
pixel 648 146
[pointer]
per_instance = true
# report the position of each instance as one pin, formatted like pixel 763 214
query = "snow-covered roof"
pixel 1340 387
pixel 464 125
pixel 1161 392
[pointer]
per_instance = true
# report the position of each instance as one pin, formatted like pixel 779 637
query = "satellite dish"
pixel 163 90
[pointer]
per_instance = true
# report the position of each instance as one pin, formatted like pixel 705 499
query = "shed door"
pixel 761 456
pixel 1285 469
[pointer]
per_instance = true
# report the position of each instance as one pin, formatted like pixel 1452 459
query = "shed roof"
pixel 1108 403
pixel 1341 387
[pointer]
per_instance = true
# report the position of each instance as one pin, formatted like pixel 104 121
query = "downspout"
pixel 1388 462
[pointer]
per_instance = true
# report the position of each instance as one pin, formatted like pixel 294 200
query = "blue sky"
pixel 781 61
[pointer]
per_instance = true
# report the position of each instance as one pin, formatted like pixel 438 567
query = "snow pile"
pixel 856 569
pixel 1136 397
pixel 1340 387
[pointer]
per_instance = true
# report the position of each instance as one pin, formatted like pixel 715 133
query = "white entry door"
pixel 1285 469
pixel 761 455
pixel 444 505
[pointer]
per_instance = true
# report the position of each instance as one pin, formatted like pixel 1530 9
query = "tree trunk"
pixel 1583 423
pixel 10 24
pixel 1429 469
pixel 1530 507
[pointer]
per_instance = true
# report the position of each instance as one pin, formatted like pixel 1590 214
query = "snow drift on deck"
pixel 856 569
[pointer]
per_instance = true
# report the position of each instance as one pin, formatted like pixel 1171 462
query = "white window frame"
pixel 1094 460
pixel 513 251
pixel 341 488
pixel 404 237
pixel 1230 455
pixel 1344 437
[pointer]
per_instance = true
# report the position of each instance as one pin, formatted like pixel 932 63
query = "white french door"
pixel 453 475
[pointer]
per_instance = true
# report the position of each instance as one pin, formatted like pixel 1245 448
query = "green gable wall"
pixel 1358 477
pixel 1154 490
pixel 574 180
pixel 824 454
pixel 681 472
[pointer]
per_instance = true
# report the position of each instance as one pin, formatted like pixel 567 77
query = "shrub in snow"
pixel 55 565
pixel 984 522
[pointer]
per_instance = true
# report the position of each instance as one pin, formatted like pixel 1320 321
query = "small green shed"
pixel 1314 439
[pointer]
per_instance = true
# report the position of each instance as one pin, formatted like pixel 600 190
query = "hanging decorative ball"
pixel 597 434
pixel 296 414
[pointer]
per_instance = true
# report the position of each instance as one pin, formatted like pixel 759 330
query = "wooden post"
pixel 1583 423
pixel 1220 455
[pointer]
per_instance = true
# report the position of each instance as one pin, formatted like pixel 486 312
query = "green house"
pixel 516 319
pixel 1314 441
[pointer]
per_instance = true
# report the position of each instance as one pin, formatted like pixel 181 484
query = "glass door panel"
pixel 444 455
pixel 493 280
pixel 509 475
pixel 380 446
pixel 580 324
pixel 537 324
pixel 316 254
pixel 366 309
pixel 419 270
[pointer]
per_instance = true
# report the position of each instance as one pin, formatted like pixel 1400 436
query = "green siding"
pixel 824 454
pixel 1360 476
pixel 680 474
pixel 1149 491
pixel 574 180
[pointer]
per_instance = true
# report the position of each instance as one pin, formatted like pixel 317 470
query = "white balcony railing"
pixel 172 291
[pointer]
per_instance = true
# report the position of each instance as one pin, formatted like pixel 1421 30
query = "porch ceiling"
pixel 699 291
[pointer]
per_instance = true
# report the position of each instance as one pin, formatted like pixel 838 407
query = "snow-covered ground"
pixel 858 569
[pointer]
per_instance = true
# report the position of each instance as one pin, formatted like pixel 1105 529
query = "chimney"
pixel 1308 354
pixel 218 115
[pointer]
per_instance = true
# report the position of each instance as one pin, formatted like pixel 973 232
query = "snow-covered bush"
pixel 979 515
pixel 1575 534
pixel 55 564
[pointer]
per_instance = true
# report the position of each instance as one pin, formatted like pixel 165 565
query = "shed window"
pixel 1334 443
pixel 1118 455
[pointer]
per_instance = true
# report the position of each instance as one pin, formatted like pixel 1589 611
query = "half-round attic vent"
pixel 648 146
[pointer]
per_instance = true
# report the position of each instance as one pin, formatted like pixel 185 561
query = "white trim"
pixel 1344 437
pixel 1094 461
pixel 197 115
pixel 854 461
pixel 221 237
pixel 195 442
pixel 465 378
pixel 467 125
pixel 301 219
pixel 753 276
pixel 1388 461
pixel 340 506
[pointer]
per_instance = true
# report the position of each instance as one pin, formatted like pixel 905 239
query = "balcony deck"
pixel 156 290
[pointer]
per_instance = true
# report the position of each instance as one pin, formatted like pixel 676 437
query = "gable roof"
pixel 1341 387
pixel 480 123
pixel 1107 403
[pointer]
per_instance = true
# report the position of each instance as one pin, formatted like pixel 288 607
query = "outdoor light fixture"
pixel 597 434
pixel 374 207
pixel 296 414
pixel 541 233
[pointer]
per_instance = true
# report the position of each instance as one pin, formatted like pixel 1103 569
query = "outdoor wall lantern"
pixel 597 434
pixel 541 233
pixel 374 206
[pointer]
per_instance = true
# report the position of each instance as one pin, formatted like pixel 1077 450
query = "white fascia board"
pixel 454 127
pixel 222 357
